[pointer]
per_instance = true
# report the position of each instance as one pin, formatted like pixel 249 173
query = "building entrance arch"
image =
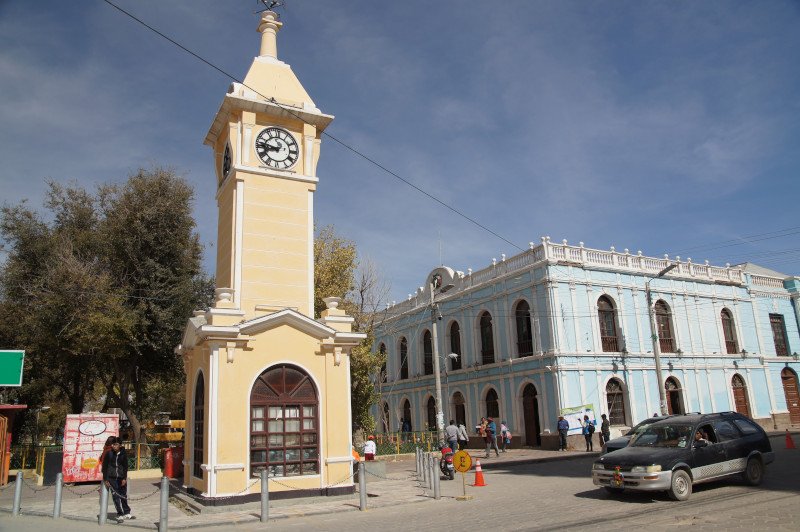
pixel 530 416
pixel 790 390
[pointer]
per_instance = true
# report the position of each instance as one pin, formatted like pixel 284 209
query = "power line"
pixel 326 134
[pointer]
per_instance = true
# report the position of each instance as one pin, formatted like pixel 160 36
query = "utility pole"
pixel 662 398
pixel 435 317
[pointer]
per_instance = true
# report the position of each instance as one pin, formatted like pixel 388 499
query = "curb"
pixel 488 464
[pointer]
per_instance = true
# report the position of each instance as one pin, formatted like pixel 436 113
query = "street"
pixel 548 496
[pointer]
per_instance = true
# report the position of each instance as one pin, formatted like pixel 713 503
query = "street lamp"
pixel 36 432
pixel 436 316
pixel 662 398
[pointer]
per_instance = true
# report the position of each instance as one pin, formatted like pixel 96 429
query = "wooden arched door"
pixel 740 401
pixel 460 409
pixel 530 415
pixel 674 399
pixel 789 379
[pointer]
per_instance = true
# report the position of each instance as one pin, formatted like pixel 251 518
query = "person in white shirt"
pixel 370 449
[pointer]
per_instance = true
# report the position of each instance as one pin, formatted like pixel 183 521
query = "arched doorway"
pixel 387 424
pixel 674 399
pixel 790 389
pixel 405 424
pixel 199 426
pixel 460 409
pixel 284 423
pixel 492 404
pixel 530 415
pixel 740 401
pixel 431 409
pixel 615 402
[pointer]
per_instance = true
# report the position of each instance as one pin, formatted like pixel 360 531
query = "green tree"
pixel 339 273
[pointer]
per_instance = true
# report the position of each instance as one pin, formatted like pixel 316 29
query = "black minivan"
pixel 675 453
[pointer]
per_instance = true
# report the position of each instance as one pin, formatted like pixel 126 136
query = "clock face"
pixel 226 161
pixel 277 148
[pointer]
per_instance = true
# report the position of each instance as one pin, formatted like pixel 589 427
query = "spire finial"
pixel 268 28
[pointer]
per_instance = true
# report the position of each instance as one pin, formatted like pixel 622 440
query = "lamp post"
pixel 662 398
pixel 436 283
pixel 36 432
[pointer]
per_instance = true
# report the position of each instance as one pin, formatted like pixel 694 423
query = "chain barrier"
pixel 131 498
pixel 410 477
pixel 8 485
pixel 81 493
pixel 272 479
pixel 33 488
pixel 200 498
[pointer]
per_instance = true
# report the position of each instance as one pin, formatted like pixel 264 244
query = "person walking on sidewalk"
pixel 505 435
pixel 491 438
pixel 588 430
pixel 451 433
pixel 605 430
pixel 463 437
pixel 115 477
pixel 563 428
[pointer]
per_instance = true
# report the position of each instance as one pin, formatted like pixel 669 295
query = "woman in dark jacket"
pixel 115 477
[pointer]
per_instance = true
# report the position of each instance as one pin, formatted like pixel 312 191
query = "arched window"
pixel 431 409
pixel 199 425
pixel 284 428
pixel 455 345
pixel 403 358
pixel 731 346
pixel 779 334
pixel 608 325
pixel 664 326
pixel 382 351
pixel 524 335
pixel 459 408
pixel 492 405
pixel 427 349
pixel 615 401
pixel 487 339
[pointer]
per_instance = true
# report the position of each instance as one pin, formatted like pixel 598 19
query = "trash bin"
pixel 173 462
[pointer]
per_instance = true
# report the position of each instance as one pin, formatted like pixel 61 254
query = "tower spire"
pixel 268 28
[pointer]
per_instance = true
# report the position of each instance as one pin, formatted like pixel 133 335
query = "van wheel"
pixel 754 472
pixel 681 486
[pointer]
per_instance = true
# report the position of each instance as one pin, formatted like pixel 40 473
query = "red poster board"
pixel 84 437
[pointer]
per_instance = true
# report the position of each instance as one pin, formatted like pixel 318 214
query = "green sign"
pixel 11 368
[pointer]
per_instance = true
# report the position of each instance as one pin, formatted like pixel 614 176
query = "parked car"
pixel 675 453
pixel 623 441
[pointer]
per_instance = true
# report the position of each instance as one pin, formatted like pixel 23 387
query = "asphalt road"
pixel 550 496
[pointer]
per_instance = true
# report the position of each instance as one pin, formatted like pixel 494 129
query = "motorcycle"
pixel 446 463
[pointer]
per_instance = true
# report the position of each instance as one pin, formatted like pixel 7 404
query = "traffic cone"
pixel 478 475
pixel 789 441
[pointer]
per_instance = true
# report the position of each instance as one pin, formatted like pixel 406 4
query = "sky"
pixel 660 126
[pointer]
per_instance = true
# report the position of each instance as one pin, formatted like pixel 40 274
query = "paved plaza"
pixel 526 490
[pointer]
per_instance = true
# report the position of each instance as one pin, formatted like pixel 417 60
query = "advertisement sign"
pixel 574 415
pixel 11 363
pixel 84 437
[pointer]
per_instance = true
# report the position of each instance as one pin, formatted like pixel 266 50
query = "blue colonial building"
pixel 564 328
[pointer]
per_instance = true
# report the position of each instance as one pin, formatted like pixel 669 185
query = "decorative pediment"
pixel 289 317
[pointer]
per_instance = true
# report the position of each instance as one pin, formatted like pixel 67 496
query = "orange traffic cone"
pixel 478 475
pixel 789 441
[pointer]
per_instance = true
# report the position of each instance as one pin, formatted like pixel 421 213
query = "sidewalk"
pixel 399 487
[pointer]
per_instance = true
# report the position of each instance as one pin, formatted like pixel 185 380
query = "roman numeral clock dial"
pixel 277 148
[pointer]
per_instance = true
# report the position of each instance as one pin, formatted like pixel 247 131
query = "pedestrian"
pixel 491 437
pixel 115 477
pixel 563 428
pixel 505 435
pixel 587 429
pixel 370 449
pixel 106 447
pixel 605 430
pixel 451 433
pixel 463 437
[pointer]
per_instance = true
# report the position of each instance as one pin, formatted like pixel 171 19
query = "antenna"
pixel 270 5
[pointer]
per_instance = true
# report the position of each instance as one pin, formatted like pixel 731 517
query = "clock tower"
pixel 268 386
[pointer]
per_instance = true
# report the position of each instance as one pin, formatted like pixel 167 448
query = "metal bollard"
pixel 264 496
pixel 362 486
pixel 416 457
pixel 437 492
pixel 103 515
pixel 57 500
pixel 164 514
pixel 430 471
pixel 17 494
pixel 422 467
